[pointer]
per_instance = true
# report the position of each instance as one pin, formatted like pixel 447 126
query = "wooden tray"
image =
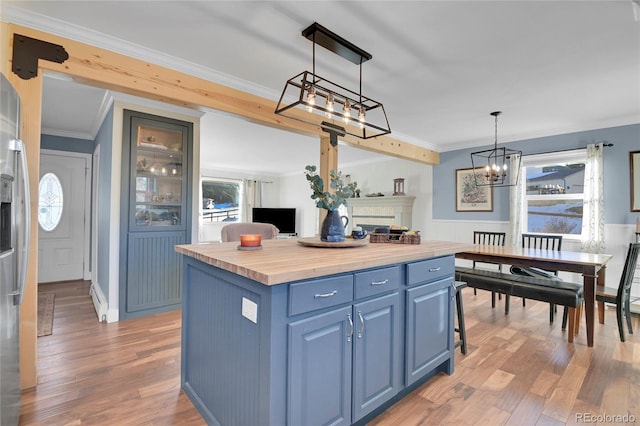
pixel 347 243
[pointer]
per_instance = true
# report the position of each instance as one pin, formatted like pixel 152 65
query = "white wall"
pixel 295 192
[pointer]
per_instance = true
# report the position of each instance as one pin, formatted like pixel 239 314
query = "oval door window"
pixel 50 202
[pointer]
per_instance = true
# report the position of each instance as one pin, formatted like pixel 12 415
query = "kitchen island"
pixel 297 335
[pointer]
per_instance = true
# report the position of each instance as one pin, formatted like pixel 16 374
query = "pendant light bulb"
pixel 311 98
pixel 361 116
pixel 329 106
pixel 346 111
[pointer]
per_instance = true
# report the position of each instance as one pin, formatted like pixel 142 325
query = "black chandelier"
pixel 348 112
pixel 492 165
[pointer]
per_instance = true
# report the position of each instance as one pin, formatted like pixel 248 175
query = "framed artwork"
pixel 469 197
pixel 634 167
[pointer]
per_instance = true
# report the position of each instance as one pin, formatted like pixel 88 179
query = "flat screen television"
pixel 283 218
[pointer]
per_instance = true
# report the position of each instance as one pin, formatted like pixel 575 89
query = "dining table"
pixel 591 266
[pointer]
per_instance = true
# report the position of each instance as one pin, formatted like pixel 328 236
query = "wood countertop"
pixel 284 260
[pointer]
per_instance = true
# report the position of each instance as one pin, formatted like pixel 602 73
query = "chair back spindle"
pixel 542 242
pixel 489 238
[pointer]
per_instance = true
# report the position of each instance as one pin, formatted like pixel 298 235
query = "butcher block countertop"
pixel 285 260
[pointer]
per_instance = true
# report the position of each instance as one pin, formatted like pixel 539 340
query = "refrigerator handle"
pixel 21 153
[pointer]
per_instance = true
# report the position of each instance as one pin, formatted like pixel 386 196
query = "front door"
pixel 62 215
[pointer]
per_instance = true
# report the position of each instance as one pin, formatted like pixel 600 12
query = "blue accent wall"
pixel 61 143
pixel 104 138
pixel 617 186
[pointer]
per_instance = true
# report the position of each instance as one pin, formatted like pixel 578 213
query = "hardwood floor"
pixel 124 373
pixel 519 370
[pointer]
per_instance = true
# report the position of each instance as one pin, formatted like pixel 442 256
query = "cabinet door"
pixel 377 353
pixel 157 163
pixel 319 378
pixel 429 328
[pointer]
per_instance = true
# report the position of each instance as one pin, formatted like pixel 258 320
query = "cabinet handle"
pixel 453 288
pixel 379 282
pixel 361 325
pixel 434 269
pixel 321 296
pixel 350 327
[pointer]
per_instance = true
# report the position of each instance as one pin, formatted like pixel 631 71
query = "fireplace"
pixel 372 212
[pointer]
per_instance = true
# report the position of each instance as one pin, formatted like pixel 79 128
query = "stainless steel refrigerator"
pixel 14 240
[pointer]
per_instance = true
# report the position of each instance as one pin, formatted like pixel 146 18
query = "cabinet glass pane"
pixel 157 215
pixel 161 139
pixel 159 182
pixel 158 190
pixel 157 163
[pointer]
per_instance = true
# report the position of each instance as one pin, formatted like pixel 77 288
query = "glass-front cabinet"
pixel 156 212
pixel 159 182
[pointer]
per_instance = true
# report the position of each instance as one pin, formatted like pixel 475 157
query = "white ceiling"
pixel 439 67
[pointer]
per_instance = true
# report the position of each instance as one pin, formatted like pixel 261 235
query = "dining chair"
pixel 621 296
pixel 461 329
pixel 492 239
pixel 233 231
pixel 542 242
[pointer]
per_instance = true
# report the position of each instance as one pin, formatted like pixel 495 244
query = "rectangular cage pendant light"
pixel 312 99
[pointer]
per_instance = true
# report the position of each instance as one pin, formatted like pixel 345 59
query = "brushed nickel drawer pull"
pixel 320 296
pixel 361 325
pixel 350 327
pixel 380 282
pixel 434 269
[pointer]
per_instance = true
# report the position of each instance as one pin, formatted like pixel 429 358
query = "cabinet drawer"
pixel 311 295
pixel 429 270
pixel 377 281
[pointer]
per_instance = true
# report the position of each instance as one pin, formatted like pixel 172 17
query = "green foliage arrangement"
pixel 338 194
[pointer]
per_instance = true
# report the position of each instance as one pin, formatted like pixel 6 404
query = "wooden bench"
pixel 546 290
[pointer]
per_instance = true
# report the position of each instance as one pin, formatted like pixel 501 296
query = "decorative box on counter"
pixel 395 238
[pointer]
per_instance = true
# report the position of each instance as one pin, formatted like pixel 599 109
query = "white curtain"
pixel 593 213
pixel 252 198
pixel 516 199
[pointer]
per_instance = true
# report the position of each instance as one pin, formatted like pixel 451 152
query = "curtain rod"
pixel 566 150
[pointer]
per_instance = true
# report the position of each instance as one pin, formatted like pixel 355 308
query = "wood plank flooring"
pixel 519 370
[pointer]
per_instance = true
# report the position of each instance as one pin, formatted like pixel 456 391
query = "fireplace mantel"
pixel 381 211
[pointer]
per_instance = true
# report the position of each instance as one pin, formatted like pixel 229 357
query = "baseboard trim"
pixel 99 302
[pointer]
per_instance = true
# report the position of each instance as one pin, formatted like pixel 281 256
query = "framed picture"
pixel 634 167
pixel 469 197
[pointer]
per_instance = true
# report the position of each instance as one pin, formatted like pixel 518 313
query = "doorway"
pixel 64 216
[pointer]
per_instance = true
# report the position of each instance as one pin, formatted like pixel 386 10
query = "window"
pixel 221 200
pixel 50 202
pixel 554 197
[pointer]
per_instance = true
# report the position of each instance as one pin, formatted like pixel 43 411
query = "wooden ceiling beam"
pixel 109 70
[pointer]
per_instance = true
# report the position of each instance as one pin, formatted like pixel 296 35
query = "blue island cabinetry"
pixel 334 349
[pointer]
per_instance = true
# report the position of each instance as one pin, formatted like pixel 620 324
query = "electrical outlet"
pixel 250 310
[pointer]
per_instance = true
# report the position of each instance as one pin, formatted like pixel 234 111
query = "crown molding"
pixel 64 134
pixel 105 106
